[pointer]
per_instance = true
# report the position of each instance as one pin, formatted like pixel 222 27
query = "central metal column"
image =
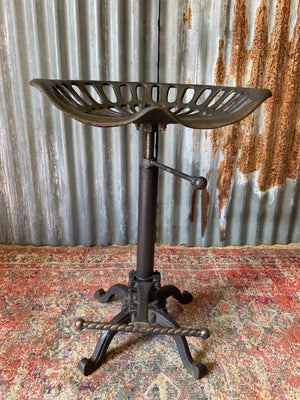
pixel 147 206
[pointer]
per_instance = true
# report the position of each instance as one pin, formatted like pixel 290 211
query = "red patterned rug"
pixel 248 297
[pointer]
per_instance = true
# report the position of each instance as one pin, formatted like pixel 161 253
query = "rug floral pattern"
pixel 248 297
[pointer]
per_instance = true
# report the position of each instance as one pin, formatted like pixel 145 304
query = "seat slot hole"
pixel 82 97
pixel 94 93
pixel 70 96
pixel 126 92
pixel 182 111
pixel 172 94
pixel 203 96
pixel 109 92
pixel 156 93
pixel 216 98
pixel 188 95
pixel 232 102
pixel 141 93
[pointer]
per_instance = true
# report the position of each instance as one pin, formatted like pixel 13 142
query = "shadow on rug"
pixel 248 297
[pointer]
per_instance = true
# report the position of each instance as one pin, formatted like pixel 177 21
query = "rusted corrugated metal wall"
pixel 66 183
pixel 253 166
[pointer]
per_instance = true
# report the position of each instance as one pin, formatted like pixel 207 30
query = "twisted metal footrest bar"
pixel 141 328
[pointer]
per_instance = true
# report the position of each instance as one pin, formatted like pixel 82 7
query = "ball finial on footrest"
pixel 204 333
pixel 79 323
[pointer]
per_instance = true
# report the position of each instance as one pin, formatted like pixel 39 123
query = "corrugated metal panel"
pixel 253 167
pixel 63 182
pixel 66 183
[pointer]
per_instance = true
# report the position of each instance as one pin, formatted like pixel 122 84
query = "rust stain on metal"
pixel 279 141
pixel 215 137
pixel 238 59
pixel 222 234
pixel 229 147
pixel 188 17
pixel 273 149
pixel 192 213
pixel 220 70
pixel 204 209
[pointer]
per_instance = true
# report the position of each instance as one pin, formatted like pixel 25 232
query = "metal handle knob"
pixel 199 182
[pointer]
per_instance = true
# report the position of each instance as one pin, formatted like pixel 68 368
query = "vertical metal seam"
pixel 158 40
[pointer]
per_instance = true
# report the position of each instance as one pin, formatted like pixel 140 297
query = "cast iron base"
pixel 144 304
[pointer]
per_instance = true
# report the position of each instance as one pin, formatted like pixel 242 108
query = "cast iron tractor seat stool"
pixel 109 104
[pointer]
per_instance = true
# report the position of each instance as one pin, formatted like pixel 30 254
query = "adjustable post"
pixel 147 207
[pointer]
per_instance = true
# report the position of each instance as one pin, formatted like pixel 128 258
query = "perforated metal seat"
pixel 109 104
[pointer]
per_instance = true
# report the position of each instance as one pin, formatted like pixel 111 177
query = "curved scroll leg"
pixel 118 289
pixel 170 290
pixel 196 369
pixel 88 366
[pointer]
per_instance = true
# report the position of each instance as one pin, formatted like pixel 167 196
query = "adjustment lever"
pixel 199 182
